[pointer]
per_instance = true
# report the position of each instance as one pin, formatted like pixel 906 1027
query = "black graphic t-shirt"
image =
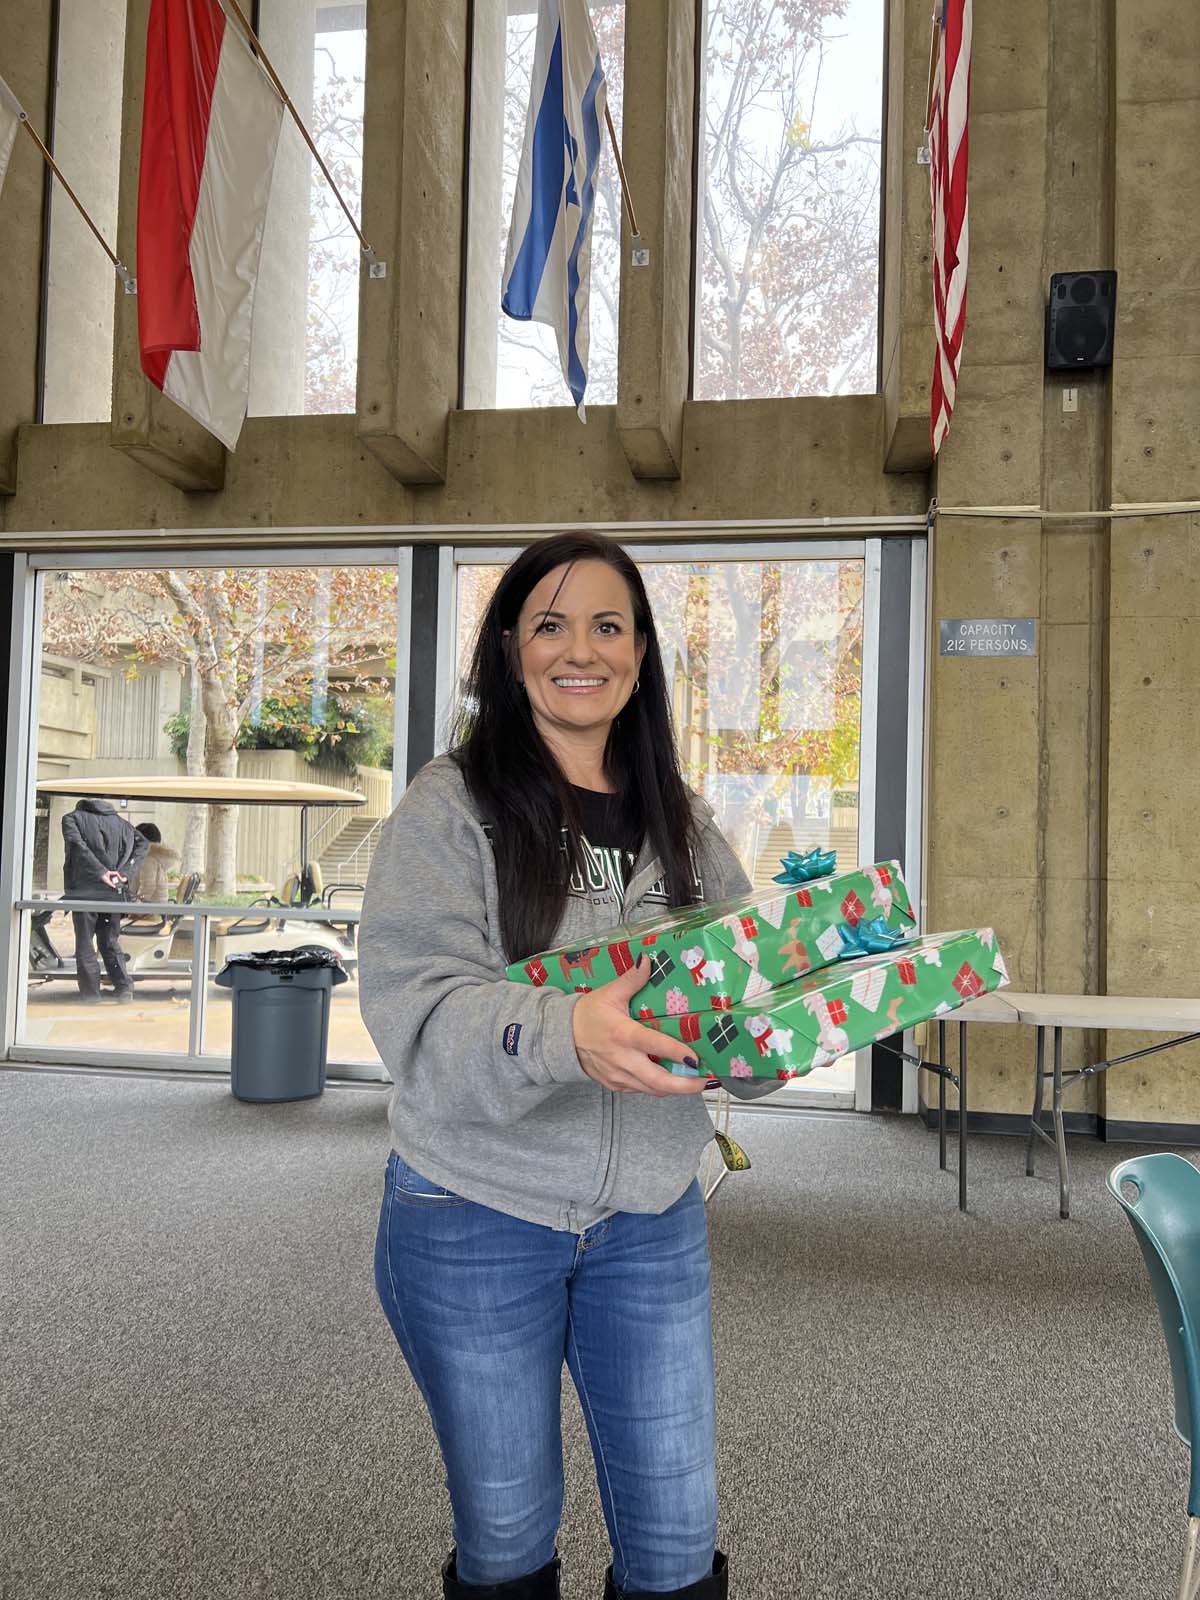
pixel 611 843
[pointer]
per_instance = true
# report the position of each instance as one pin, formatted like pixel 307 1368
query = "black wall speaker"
pixel 1079 320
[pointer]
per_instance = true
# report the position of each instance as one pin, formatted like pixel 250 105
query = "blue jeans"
pixel 486 1308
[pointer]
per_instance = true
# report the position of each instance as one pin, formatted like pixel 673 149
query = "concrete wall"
pixel 1062 797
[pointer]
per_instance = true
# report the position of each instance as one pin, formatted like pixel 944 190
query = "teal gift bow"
pixel 817 863
pixel 869 938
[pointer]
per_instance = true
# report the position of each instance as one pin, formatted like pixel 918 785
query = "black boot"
pixel 714 1587
pixel 539 1585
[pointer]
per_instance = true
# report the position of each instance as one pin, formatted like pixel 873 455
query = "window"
pixel 763 653
pixel 305 355
pixel 787 254
pixel 156 675
pixel 511 363
pixel 86 142
pixel 764 658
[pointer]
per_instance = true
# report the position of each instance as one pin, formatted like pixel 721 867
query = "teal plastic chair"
pixel 1160 1195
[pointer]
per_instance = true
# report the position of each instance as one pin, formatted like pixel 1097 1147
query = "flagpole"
pixel 933 38
pixel 122 270
pixel 616 149
pixel 256 44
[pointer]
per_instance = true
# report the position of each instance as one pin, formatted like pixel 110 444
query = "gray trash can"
pixel 281 1020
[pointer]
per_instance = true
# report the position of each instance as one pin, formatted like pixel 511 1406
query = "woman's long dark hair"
pixel 518 785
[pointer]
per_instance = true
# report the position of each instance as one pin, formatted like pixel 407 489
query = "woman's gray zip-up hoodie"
pixel 490 1101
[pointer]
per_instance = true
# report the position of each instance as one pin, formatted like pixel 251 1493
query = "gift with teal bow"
pixel 711 957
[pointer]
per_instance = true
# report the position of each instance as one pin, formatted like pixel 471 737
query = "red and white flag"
pixel 210 126
pixel 948 189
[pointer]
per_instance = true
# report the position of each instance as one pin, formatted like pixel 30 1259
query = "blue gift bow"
pixel 797 869
pixel 869 939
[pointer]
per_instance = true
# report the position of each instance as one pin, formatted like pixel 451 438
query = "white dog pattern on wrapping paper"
pixel 881 894
pixel 771 1041
pixel 834 1041
pixel 701 969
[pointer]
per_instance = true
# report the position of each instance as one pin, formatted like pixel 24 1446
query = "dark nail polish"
pixel 691 1061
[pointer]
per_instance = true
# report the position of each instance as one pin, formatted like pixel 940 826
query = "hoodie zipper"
pixel 613 1118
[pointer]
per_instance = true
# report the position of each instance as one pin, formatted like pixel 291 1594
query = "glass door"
pixel 773 654
pixel 152 682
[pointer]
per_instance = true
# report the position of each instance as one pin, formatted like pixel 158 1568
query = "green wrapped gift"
pixel 815 1019
pixel 736 950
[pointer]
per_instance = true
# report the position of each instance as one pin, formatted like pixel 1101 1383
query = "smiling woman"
pixel 524 1119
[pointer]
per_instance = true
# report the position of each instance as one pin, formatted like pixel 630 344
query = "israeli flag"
pixel 547 272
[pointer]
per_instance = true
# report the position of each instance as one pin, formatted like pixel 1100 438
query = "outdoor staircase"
pixel 348 857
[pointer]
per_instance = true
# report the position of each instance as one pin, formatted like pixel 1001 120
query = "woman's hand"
pixel 615 1050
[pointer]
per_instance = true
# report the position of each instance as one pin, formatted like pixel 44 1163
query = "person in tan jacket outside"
pixel 160 860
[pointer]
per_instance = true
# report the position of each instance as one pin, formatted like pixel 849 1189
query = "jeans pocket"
pixel 410 1188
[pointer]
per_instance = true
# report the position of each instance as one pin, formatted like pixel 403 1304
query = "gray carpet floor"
pixel 200 1398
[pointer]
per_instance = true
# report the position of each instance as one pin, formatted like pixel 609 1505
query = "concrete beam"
pixel 660 45
pixel 145 424
pixel 27 72
pixel 413 187
pixel 907 286
pixel 290 472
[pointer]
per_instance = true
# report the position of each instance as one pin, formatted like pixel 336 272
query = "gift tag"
pixel 734 1157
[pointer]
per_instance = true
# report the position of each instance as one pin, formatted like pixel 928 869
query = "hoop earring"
pixel 637 683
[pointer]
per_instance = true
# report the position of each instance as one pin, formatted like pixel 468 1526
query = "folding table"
pixel 1132 1013
pixel 998 1007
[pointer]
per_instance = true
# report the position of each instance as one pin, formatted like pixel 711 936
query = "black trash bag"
pixel 284 962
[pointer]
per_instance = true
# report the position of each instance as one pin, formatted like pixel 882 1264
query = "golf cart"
pixel 158 944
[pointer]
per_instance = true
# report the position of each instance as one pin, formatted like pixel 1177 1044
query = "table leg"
pixel 942 1096
pixel 1035 1120
pixel 1064 1176
pixel 962 1116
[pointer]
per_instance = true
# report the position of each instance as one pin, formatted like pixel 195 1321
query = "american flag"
pixel 949 107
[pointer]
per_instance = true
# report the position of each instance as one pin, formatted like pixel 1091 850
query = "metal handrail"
pixel 313 853
pixel 363 842
pixel 140 908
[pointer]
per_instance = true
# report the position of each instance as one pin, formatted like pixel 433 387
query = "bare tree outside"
pixel 334 260
pixel 787 209
pixel 787 213
pixel 789 201
pixel 299 648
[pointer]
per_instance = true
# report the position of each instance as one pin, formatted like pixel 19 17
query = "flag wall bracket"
pixel 639 256
pixel 376 269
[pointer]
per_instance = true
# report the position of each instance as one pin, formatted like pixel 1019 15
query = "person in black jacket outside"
pixel 103 852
